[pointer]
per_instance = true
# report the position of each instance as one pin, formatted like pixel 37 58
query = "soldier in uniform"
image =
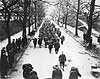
pixel 62 39
pixel 46 41
pixel 90 43
pixel 84 37
pixel 35 42
pixel 50 46
pixel 24 41
pixel 40 42
pixel 98 39
pixel 62 60
pixel 57 46
pixel 19 42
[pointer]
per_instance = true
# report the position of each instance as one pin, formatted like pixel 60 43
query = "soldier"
pixel 57 73
pixel 24 41
pixel 56 46
pixel 11 57
pixel 98 39
pixel 19 42
pixel 46 41
pixel 14 46
pixel 74 73
pixel 59 33
pixel 35 42
pixel 62 60
pixel 62 39
pixel 4 63
pixel 40 42
pixel 90 43
pixel 84 37
pixel 50 46
pixel 53 40
pixel 8 47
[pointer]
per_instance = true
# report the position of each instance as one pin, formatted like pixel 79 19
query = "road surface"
pixel 43 61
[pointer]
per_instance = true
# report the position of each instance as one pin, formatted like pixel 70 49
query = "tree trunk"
pixel 25 19
pixel 35 14
pixel 76 29
pixel 29 21
pixel 90 23
pixel 7 27
pixel 66 20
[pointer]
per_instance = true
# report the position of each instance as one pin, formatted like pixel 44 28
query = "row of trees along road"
pixel 84 8
pixel 24 10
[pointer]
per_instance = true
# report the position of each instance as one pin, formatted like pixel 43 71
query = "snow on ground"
pixel 43 61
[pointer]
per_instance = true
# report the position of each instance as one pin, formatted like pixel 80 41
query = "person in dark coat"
pixel 46 41
pixel 40 42
pixel 57 46
pixel 4 63
pixel 27 68
pixel 74 73
pixel 33 75
pixel 84 37
pixel 11 57
pixel 59 33
pixel 19 42
pixel 98 39
pixel 24 41
pixel 14 46
pixel 8 47
pixel 35 42
pixel 90 43
pixel 62 60
pixel 50 46
pixel 28 72
pixel 57 73
pixel 62 39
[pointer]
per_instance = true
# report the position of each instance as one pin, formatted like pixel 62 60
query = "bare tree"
pixel 90 19
pixel 7 8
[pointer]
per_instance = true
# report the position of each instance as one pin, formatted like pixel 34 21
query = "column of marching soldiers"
pixel 50 37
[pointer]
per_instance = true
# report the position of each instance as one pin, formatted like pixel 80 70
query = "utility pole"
pixel 76 29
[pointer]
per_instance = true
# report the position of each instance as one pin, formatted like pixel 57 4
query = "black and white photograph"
pixel 49 39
